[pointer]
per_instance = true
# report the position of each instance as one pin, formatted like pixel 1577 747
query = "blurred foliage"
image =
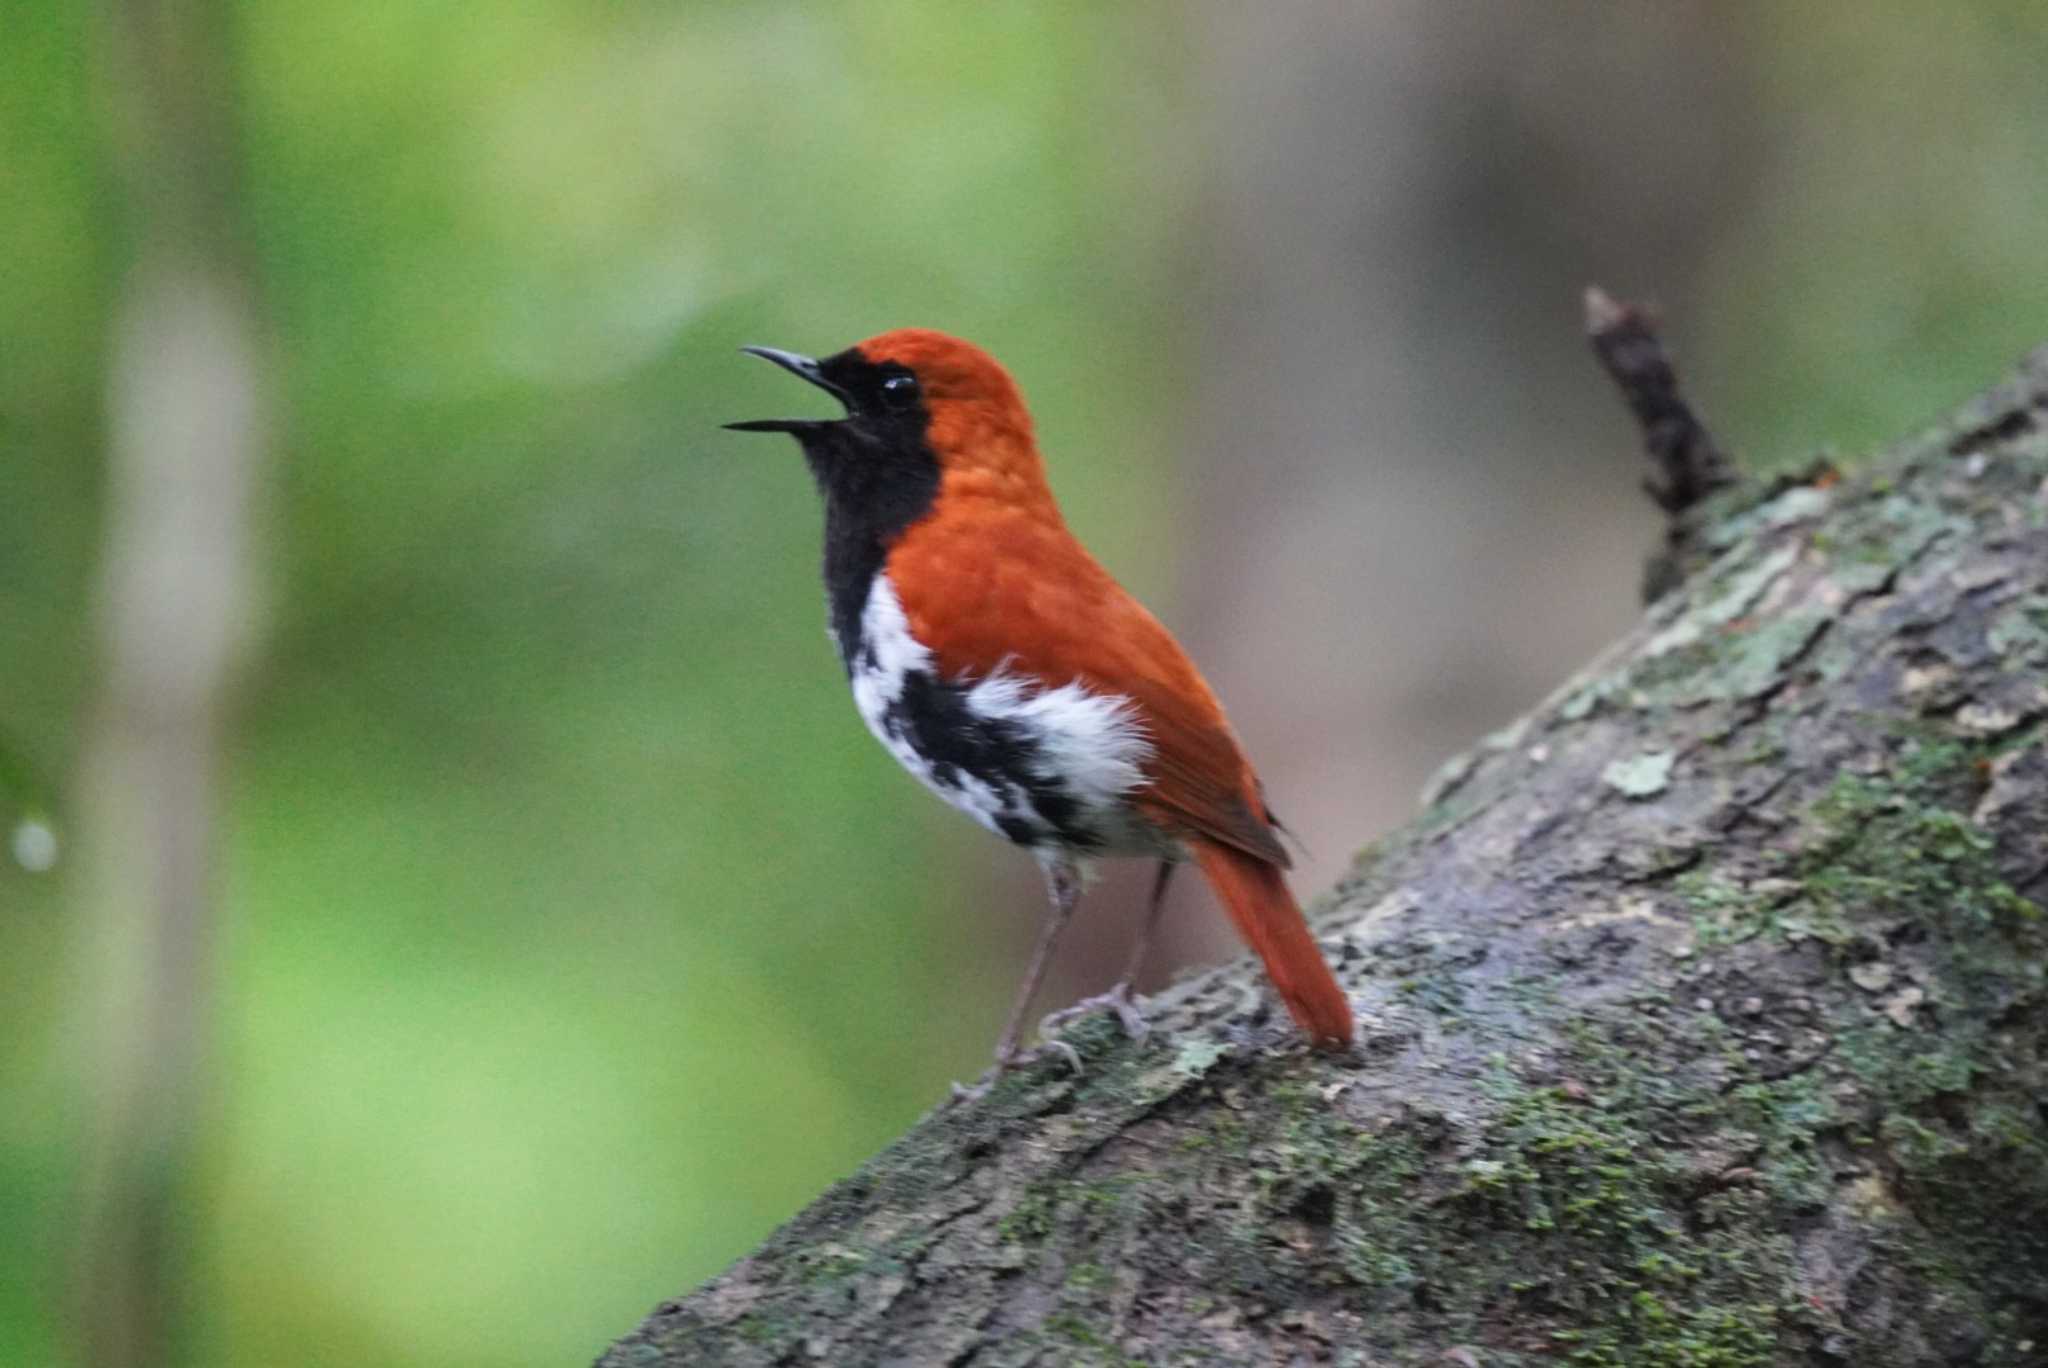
pixel 574 933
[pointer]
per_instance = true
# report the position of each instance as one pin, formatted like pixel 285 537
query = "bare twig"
pixel 1690 465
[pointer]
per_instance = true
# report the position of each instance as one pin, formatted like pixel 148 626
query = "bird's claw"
pixel 1017 1059
pixel 1120 1002
pixel 1055 1047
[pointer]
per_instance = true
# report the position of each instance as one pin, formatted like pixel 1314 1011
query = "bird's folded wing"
pixel 1030 600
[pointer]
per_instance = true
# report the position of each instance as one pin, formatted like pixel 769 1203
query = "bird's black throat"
pixel 873 493
pixel 875 467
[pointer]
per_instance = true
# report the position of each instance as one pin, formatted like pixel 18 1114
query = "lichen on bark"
pixel 1742 1066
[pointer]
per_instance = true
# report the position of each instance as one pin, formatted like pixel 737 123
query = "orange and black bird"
pixel 1004 667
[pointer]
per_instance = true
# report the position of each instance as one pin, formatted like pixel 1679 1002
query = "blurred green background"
pixel 572 931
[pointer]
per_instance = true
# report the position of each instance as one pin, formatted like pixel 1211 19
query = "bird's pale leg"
pixel 1063 888
pixel 1121 1000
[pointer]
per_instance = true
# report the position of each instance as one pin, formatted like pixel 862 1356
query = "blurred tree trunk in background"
pixel 1704 1021
pixel 1420 416
pixel 1339 368
pixel 177 586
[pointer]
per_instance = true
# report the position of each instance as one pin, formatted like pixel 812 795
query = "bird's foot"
pixel 1017 1059
pixel 1120 1002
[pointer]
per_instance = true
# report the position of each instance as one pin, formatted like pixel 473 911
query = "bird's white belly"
pixel 1043 766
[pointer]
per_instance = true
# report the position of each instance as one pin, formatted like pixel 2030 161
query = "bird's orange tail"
pixel 1271 923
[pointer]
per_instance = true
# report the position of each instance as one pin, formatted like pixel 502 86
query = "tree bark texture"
pixel 1704 1021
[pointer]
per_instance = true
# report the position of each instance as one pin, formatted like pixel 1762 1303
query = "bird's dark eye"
pixel 899 391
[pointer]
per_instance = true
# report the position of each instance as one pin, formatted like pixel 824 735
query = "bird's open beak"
pixel 802 366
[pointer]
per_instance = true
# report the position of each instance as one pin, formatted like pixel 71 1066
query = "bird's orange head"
pixel 922 407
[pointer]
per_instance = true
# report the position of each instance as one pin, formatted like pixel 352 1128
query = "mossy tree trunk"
pixel 1704 1021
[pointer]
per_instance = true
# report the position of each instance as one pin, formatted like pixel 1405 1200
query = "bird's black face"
pixel 884 406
